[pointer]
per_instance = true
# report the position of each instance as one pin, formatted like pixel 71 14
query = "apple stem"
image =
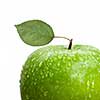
pixel 70 44
pixel 70 41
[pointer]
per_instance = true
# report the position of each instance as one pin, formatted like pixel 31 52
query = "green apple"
pixel 56 73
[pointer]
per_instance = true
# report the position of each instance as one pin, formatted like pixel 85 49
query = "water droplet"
pixel 51 74
pixel 27 76
pixel 59 57
pixel 27 97
pixel 41 73
pixel 90 95
pixel 60 71
pixel 36 69
pixel 33 59
pixel 56 52
pixel 40 53
pixel 33 74
pixel 47 71
pixel 25 73
pixel 69 64
pixel 32 71
pixel 57 81
pixel 88 83
pixel 93 53
pixel 40 64
pixel 42 76
pixel 74 59
pixel 57 86
pixel 55 59
pixel 58 64
pixel 34 83
pixel 35 79
pixel 93 84
pixel 68 58
pixel 31 66
pixel 45 93
pixel 41 89
pixel 46 75
pixel 64 59
pixel 50 63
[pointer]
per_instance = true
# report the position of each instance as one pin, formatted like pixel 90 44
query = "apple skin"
pixel 56 73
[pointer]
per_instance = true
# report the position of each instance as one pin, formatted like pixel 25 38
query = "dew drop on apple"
pixel 42 76
pixel 55 59
pixel 57 81
pixel 36 69
pixel 56 52
pixel 40 64
pixel 59 57
pixel 74 59
pixel 46 75
pixel 25 73
pixel 34 83
pixel 45 93
pixel 64 59
pixel 35 79
pixel 90 95
pixel 27 97
pixel 27 76
pixel 57 86
pixel 50 63
pixel 51 74
pixel 69 64
pixel 92 84
pixel 33 59
pixel 58 64
pixel 51 60
pixel 32 71
pixel 41 73
pixel 88 83
pixel 33 74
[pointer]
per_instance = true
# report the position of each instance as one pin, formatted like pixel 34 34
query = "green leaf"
pixel 35 32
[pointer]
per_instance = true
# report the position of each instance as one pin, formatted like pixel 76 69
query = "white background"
pixel 79 19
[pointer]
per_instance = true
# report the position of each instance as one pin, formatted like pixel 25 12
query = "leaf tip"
pixel 16 26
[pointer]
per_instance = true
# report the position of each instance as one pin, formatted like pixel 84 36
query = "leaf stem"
pixel 62 37
pixel 70 41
